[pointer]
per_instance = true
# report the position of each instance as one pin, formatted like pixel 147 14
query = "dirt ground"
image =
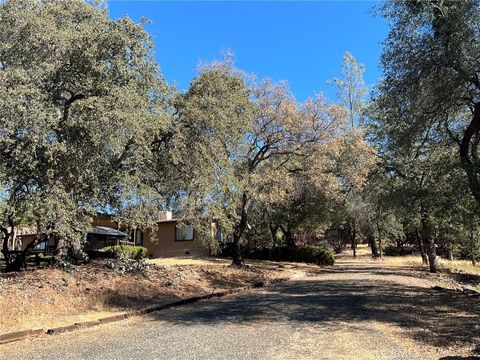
pixel 358 309
pixel 52 297
pixel 456 274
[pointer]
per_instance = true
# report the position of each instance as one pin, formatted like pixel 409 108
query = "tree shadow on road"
pixel 376 269
pixel 441 319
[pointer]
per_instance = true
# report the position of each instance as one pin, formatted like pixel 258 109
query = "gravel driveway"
pixel 351 311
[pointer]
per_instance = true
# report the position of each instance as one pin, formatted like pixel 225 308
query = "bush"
pixel 40 259
pixel 312 254
pixel 337 239
pixel 308 254
pixel 467 252
pixel 128 266
pixel 126 252
pixel 66 266
pixel 391 250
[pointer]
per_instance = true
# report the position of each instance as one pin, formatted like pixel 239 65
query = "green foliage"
pixel 308 254
pixel 128 266
pixel 469 251
pixel 352 89
pixel 213 114
pixel 313 254
pixel 391 250
pixel 87 122
pixel 127 251
pixel 425 123
pixel 81 101
pixel 430 89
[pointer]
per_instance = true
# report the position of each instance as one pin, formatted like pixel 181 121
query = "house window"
pixel 223 238
pixel 219 235
pixel 139 239
pixel 136 236
pixel 41 246
pixel 184 233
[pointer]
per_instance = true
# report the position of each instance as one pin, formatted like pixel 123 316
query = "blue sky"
pixel 301 42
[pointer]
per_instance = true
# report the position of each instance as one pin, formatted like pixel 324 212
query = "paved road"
pixel 353 311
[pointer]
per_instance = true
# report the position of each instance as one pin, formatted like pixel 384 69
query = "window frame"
pixel 176 227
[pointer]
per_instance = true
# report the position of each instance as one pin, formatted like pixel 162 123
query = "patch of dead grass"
pixel 197 261
pixel 451 265
pixel 51 297
pixel 408 260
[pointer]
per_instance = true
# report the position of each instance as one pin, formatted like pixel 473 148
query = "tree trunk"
pixel 373 245
pixel 237 258
pixel 432 255
pixel 9 236
pixel 289 240
pixel 379 241
pixel 449 253
pixel 60 252
pixel 273 232
pixel 469 146
pixel 421 247
pixel 5 249
pixel 429 242
pixel 354 239
pixel 472 246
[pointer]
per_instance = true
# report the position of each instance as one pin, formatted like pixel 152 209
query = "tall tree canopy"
pixel 431 86
pixel 257 148
pixel 351 88
pixel 81 100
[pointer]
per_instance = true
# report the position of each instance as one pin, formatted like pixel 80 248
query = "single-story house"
pixel 170 238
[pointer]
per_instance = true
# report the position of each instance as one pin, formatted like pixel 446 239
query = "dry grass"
pixel 455 266
pixel 461 265
pixel 454 274
pixel 51 297
pixel 364 254
pixel 409 260
pixel 196 261
pixel 287 269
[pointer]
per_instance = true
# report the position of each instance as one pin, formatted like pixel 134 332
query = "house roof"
pixel 167 220
pixel 26 230
pixel 106 231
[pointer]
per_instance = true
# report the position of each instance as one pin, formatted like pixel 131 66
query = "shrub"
pixel 469 252
pixel 337 239
pixel 391 250
pixel 313 254
pixel 129 266
pixel 126 252
pixel 308 253
pixel 105 253
pixel 66 266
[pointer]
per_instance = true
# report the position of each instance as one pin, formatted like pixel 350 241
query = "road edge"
pixel 31 333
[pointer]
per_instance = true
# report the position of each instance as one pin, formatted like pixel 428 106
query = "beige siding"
pixel 164 244
pixel 107 221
